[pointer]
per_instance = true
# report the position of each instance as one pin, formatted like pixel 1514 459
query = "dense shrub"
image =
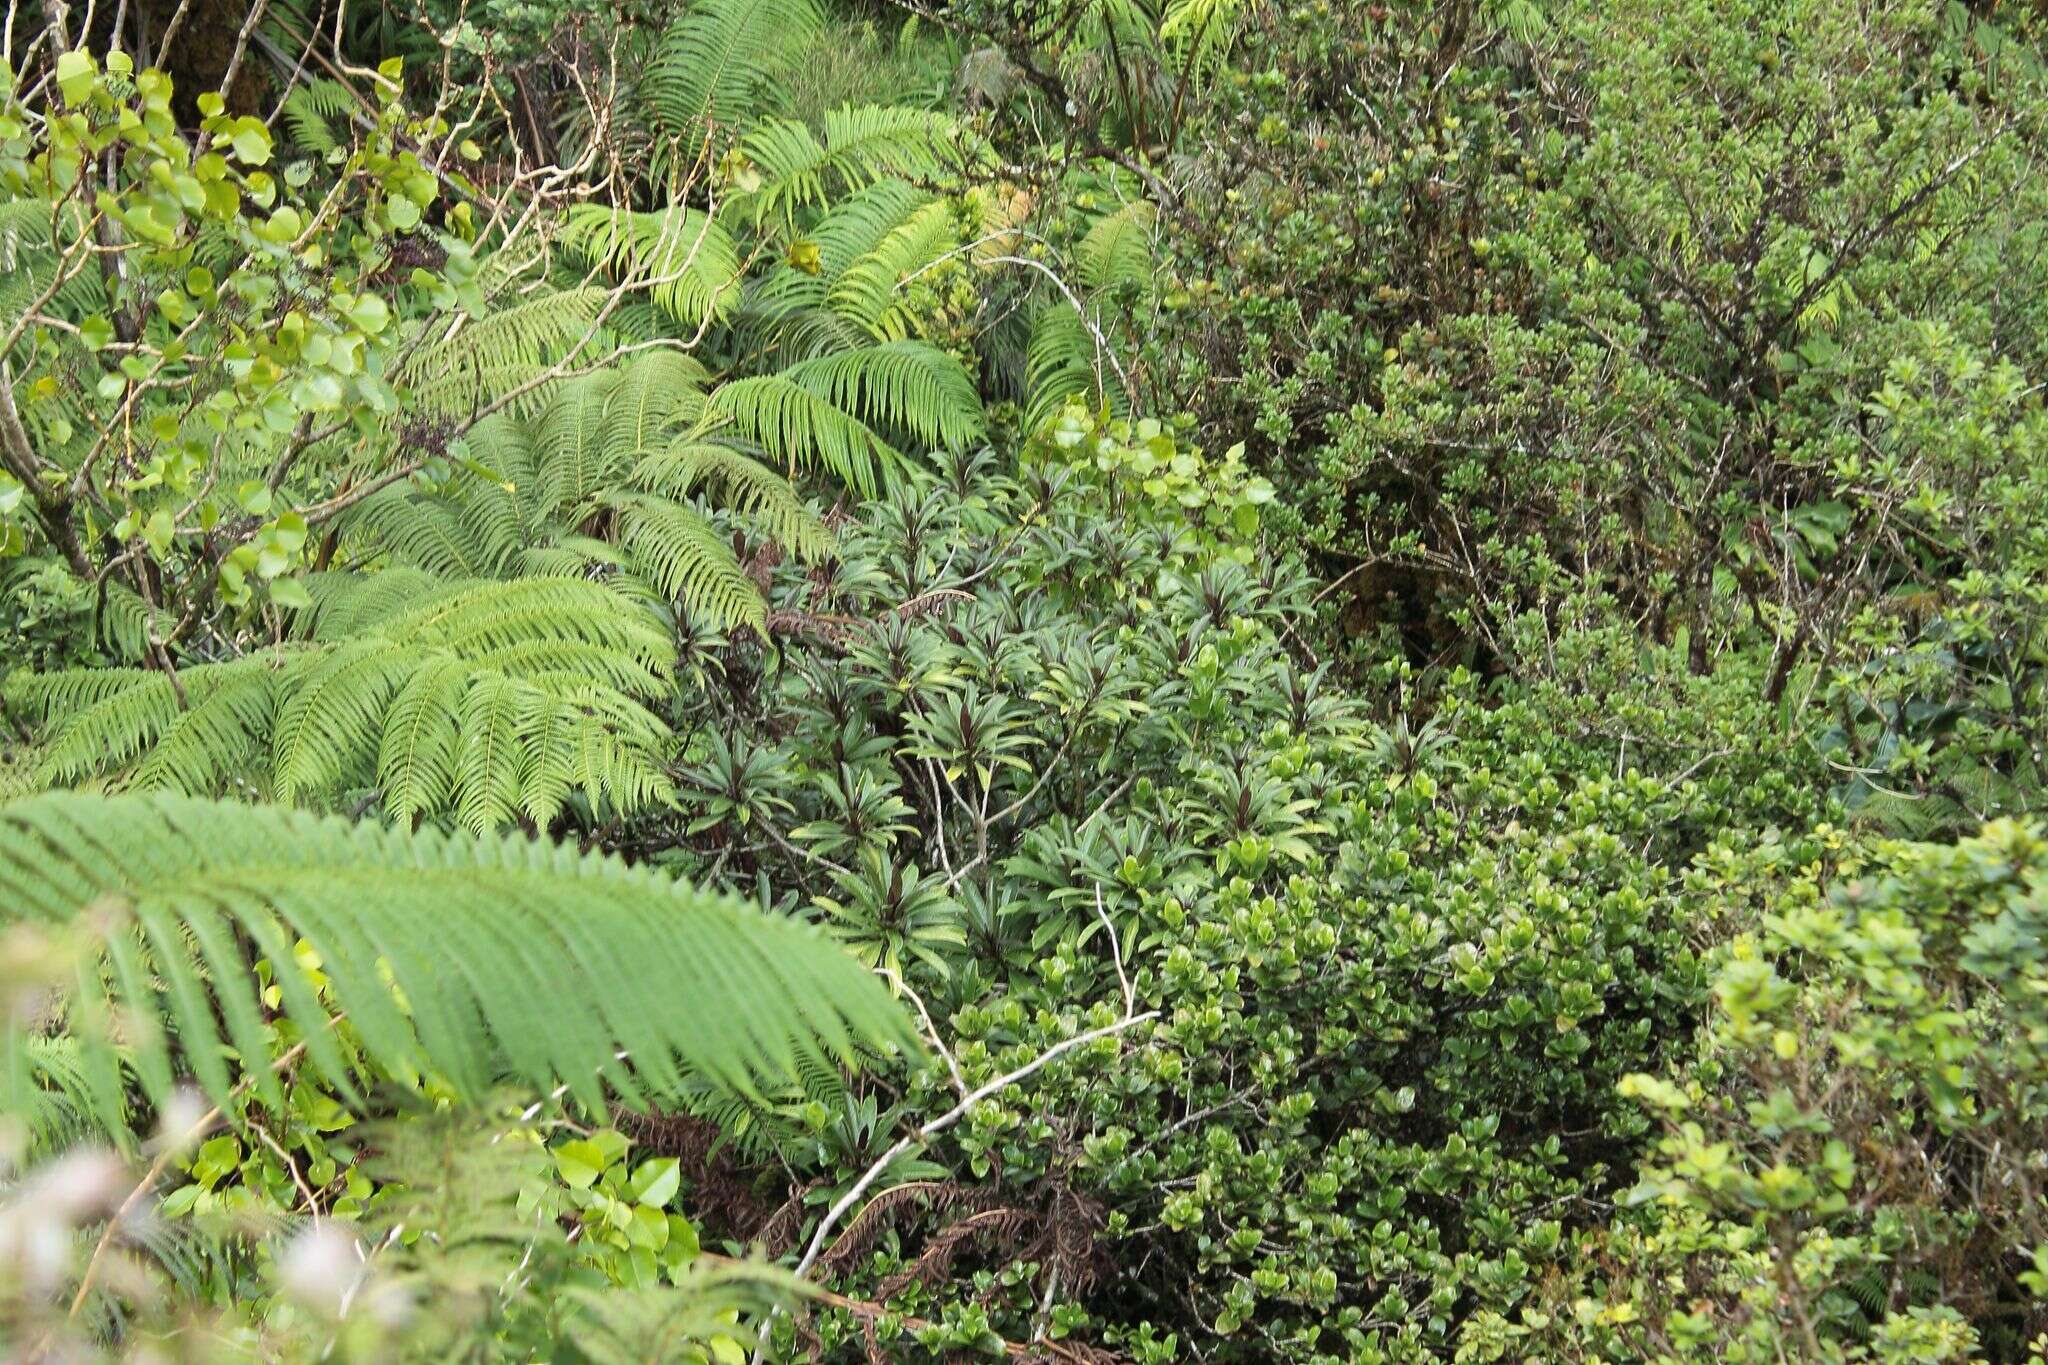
pixel 1400 969
pixel 1495 824
pixel 1852 1167
pixel 1627 300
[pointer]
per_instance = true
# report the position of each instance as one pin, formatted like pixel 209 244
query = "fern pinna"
pixel 629 473
pixel 487 701
pixel 617 475
pixel 479 960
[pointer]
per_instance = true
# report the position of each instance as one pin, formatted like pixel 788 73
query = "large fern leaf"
pixel 686 557
pixel 480 960
pixel 458 370
pixel 806 430
pixel 542 680
pixel 684 259
pixel 861 145
pixel 1117 248
pixel 608 478
pixel 909 386
pixel 744 484
pixel 871 290
pixel 716 65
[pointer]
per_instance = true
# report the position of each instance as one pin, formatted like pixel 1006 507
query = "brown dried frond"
pixel 721 1194
pixel 940 1196
pixel 1004 1226
pixel 779 1233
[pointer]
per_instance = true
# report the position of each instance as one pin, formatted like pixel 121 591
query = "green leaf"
pixel 75 74
pixel 368 312
pixel 514 959
pixel 251 141
pixel 290 592
pixel 655 1182
pixel 580 1163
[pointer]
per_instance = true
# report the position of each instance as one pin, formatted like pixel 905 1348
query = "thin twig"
pixel 933 1129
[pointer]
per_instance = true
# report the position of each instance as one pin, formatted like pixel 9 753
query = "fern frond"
pixel 517 665
pixel 425 532
pixel 626 1326
pixel 861 145
pixel 798 426
pixel 687 558
pixel 749 487
pixel 108 717
pixel 910 386
pixel 657 392
pixel 1117 248
pixel 786 311
pixel 125 620
pixel 571 459
pixel 479 959
pixel 50 1093
pixel 218 738
pixel 328 725
pixel 870 290
pixel 346 604
pixel 458 371
pixel 1201 31
pixel 716 65
pixel 416 758
pixel 562 496
pixel 1064 361
pixel 312 112
pixel 684 259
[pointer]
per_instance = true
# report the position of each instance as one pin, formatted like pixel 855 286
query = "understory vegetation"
pixel 1101 681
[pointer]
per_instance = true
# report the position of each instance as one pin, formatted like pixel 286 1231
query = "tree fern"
pixel 716 65
pixel 909 386
pixel 860 146
pixel 1064 356
pixel 805 430
pixel 871 289
pixel 788 312
pixel 686 262
pixel 744 484
pixel 825 411
pixel 481 960
pixel 458 370
pixel 538 684
pixel 685 557
pixel 1118 247
pixel 617 472
pixel 1201 31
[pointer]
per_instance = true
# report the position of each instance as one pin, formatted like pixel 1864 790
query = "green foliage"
pixel 194 331
pixel 687 263
pixel 1856 1156
pixel 1063 710
pixel 611 474
pixel 642 981
pixel 717 435
pixel 717 66
pixel 859 147
pixel 491 702
pixel 1513 338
